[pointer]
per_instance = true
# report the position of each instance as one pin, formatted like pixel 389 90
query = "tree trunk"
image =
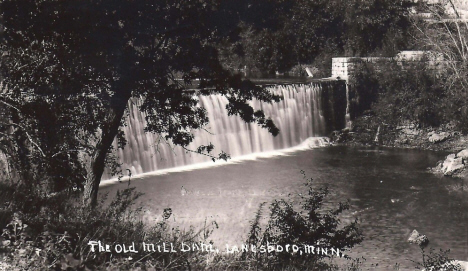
pixel 109 131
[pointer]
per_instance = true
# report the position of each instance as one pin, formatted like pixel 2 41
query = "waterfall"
pixel 348 114
pixel 299 116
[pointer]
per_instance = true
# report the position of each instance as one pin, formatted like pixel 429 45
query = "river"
pixel 390 191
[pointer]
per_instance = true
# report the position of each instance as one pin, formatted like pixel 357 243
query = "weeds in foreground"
pixel 41 241
pixel 440 260
pixel 301 239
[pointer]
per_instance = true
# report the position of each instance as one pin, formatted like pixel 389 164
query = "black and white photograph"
pixel 261 135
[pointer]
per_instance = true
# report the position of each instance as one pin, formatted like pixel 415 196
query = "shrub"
pixel 391 94
pixel 48 240
pixel 313 225
pixel 364 88
pixel 398 93
pixel 437 261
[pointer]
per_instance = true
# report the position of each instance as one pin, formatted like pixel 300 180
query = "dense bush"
pixel 364 88
pixel 437 261
pixel 277 35
pixel 47 239
pixel 391 94
pixel 396 93
pixel 314 224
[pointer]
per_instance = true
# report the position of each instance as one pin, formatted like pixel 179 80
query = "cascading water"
pixel 348 114
pixel 299 116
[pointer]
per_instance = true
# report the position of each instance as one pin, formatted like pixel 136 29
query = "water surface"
pixel 390 191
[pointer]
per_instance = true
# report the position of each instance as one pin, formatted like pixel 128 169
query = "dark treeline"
pixel 274 36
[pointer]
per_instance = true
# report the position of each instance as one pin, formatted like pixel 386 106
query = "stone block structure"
pixel 343 67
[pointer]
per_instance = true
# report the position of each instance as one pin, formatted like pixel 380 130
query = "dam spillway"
pixel 306 110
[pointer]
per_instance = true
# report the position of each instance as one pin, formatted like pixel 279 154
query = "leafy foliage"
pixel 379 26
pixel 446 42
pixel 390 94
pixel 306 31
pixel 38 241
pixel 314 225
pixel 438 261
pixel 69 70
pixel 429 92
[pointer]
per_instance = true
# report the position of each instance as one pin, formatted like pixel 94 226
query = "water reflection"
pixel 390 191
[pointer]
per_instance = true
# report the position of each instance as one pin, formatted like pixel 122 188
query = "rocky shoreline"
pixel 444 139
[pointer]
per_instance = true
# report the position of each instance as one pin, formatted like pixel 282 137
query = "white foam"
pixel 299 115
pixel 309 143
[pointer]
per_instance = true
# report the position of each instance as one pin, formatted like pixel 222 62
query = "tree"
pixel 397 93
pixel 374 25
pixel 70 69
pixel 306 31
pixel 446 42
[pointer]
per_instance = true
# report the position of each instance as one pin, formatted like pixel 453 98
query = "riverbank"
pixel 365 132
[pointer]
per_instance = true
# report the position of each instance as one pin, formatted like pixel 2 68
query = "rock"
pixel 438 137
pixel 4 266
pixel 453 265
pixel 463 154
pixel 419 239
pixel 463 264
pixel 410 131
pixel 402 141
pixel 452 164
pixel 450 126
pixel 340 136
pixel 407 125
